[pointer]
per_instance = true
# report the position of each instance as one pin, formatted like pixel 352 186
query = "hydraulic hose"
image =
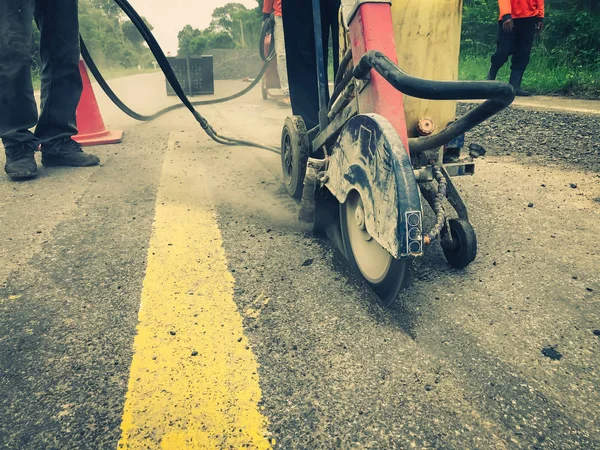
pixel 172 79
pixel 342 78
pixel 499 95
pixel 268 27
pixel 438 207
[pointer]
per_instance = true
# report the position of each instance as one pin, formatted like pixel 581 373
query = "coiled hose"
pixel 163 63
pixel 438 206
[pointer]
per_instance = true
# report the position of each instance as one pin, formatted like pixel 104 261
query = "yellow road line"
pixel 193 381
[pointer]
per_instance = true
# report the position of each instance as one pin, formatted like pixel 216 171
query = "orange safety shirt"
pixel 272 6
pixel 519 9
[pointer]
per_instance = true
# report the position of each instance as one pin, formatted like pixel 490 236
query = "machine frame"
pixel 360 154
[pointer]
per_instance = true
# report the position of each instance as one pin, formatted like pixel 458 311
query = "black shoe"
pixel 522 93
pixel 515 81
pixel 20 162
pixel 67 153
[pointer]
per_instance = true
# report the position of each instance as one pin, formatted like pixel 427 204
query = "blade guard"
pixel 369 157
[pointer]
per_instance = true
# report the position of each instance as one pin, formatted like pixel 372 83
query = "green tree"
pixel 191 41
pixel 242 24
pixel 111 41
pixel 108 7
pixel 220 40
pixel 132 34
pixel 222 17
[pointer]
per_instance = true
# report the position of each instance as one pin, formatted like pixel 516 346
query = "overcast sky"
pixel 169 16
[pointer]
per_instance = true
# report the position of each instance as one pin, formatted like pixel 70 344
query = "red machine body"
pixel 371 29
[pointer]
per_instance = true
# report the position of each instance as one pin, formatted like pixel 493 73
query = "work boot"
pixel 515 80
pixel 67 153
pixel 20 162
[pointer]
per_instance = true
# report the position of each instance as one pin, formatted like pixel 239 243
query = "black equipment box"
pixel 195 74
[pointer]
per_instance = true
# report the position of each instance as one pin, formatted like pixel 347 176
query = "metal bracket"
pixel 460 169
pixel 454 197
pixel 331 131
pixel 363 83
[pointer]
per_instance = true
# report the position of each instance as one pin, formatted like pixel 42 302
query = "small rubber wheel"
pixel 295 150
pixel 464 244
pixel 384 273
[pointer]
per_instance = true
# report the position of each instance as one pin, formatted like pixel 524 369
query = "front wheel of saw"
pixel 295 150
pixel 384 273
pixel 463 250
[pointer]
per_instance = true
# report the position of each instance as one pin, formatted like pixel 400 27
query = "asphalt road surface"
pixel 170 299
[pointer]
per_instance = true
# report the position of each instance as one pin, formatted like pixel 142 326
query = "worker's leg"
pixel 301 63
pixel 61 84
pixel 61 81
pixel 18 111
pixel 524 32
pixel 301 55
pixel 281 57
pixel 504 48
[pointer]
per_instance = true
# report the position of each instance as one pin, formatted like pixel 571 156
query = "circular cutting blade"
pixel 371 258
pixel 384 273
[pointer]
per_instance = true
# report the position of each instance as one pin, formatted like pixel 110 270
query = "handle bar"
pixel 498 94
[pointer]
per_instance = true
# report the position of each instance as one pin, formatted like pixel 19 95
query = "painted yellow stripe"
pixel 177 398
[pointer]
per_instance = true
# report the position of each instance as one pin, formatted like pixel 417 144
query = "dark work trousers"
pixel 61 80
pixel 518 44
pixel 301 53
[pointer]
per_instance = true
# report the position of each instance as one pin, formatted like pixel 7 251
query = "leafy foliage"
pixel 113 41
pixel 191 41
pixel 565 59
pixel 232 26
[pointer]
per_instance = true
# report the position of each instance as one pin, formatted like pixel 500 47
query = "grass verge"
pixel 542 76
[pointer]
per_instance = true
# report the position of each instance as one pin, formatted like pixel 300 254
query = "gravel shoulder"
pixel 541 137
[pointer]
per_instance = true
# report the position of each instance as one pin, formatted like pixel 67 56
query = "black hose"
pixel 339 88
pixel 268 27
pixel 172 79
pixel 343 66
pixel 499 95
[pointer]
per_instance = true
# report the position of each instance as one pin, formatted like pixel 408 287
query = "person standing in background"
pixel 519 21
pixel 274 7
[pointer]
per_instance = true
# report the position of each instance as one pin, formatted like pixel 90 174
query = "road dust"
pixel 233 176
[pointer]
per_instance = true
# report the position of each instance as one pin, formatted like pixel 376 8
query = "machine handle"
pixel 498 94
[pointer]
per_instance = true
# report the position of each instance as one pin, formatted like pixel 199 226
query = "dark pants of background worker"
pixel 61 80
pixel 301 53
pixel 518 44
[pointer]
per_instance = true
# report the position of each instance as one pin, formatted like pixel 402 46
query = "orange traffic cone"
pixel 89 120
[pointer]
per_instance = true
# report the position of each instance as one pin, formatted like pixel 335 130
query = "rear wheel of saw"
pixel 384 273
pixel 295 151
pixel 463 250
